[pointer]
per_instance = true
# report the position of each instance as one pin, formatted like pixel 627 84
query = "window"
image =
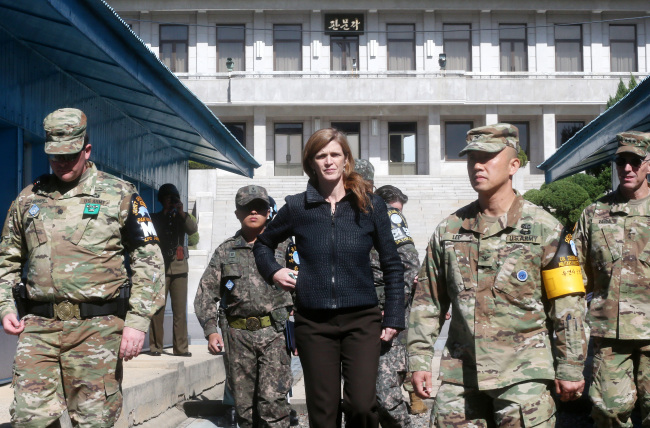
pixel 231 40
pixel 352 130
pixel 402 148
pixel 568 48
pixel 455 138
pixel 173 47
pixel 287 47
pixel 288 149
pixel 458 46
pixel 566 130
pixel 238 130
pixel 622 45
pixel 524 136
pixel 401 46
pixel 513 47
pixel 344 53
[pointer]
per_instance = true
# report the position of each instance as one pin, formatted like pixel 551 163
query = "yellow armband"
pixel 563 275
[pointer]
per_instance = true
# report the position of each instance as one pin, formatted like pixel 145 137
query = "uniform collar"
pixel 471 222
pixel 621 206
pixel 240 242
pixel 85 186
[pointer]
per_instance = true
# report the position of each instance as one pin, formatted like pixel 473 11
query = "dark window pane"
pixel 566 130
pixel 457 46
pixel 524 136
pixel 455 138
pixel 402 127
pixel 238 130
pixel 173 32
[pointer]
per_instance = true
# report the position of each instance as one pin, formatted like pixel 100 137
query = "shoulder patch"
pixel 399 227
pixel 139 227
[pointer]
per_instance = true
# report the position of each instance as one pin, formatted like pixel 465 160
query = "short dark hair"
pixel 391 194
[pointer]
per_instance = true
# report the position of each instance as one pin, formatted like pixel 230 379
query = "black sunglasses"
pixel 64 158
pixel 634 162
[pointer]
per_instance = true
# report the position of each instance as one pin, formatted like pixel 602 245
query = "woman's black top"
pixel 334 253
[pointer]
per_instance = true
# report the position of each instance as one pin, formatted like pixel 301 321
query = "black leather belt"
pixel 67 310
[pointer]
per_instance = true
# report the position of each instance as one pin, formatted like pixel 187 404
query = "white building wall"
pixel 428 96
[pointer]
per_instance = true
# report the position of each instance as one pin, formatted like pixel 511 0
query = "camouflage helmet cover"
pixel 634 142
pixel 492 138
pixel 248 194
pixel 364 168
pixel 65 130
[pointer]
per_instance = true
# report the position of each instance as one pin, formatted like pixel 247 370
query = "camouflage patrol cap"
pixel 65 130
pixel 634 142
pixel 364 168
pixel 492 138
pixel 248 194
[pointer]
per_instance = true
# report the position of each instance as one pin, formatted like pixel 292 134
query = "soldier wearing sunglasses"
pixel 613 240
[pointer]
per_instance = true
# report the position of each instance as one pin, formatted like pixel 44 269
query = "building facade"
pixel 405 80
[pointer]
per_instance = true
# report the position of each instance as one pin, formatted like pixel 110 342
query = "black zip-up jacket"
pixel 334 252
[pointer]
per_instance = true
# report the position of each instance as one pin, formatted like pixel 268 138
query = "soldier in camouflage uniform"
pixel 258 363
pixel 613 240
pixel 393 361
pixel 486 262
pixel 72 231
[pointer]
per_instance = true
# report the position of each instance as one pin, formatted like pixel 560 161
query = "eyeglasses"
pixel 634 162
pixel 64 158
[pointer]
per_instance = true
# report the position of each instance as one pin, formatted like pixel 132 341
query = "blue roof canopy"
pixel 595 144
pixel 87 41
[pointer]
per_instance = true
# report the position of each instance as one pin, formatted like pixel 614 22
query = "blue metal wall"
pixel 31 87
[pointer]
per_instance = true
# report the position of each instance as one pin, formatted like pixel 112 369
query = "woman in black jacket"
pixel 336 222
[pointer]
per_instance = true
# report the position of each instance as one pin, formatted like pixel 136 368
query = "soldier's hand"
pixel 422 383
pixel 387 334
pixel 215 343
pixel 131 345
pixel 569 390
pixel 12 326
pixel 284 280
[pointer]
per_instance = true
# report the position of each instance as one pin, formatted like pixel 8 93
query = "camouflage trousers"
pixel 525 404
pixel 621 373
pixel 71 364
pixel 259 375
pixel 393 367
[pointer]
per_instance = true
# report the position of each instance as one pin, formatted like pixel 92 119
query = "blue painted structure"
pixel 144 124
pixel 595 144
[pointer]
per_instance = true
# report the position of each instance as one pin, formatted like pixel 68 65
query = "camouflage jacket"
pixel 407 253
pixel 74 242
pixel 232 276
pixel 613 242
pixel 490 273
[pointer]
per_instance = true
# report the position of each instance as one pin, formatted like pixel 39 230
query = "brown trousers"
pixel 335 342
pixel 176 289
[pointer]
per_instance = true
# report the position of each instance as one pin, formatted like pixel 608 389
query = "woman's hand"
pixel 387 334
pixel 286 279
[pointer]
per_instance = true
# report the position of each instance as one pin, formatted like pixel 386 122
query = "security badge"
pixel 91 209
pixel 34 210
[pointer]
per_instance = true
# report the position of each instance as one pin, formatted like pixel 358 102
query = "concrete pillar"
pixel 491 115
pixel 374 55
pixel 431 51
pixel 486 45
pixel 599 55
pixel 645 47
pixel 202 52
pixel 587 53
pixel 145 31
pixel 548 131
pixel 374 146
pixel 259 142
pixel 262 39
pixel 542 62
pixel 317 54
pixel 434 141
